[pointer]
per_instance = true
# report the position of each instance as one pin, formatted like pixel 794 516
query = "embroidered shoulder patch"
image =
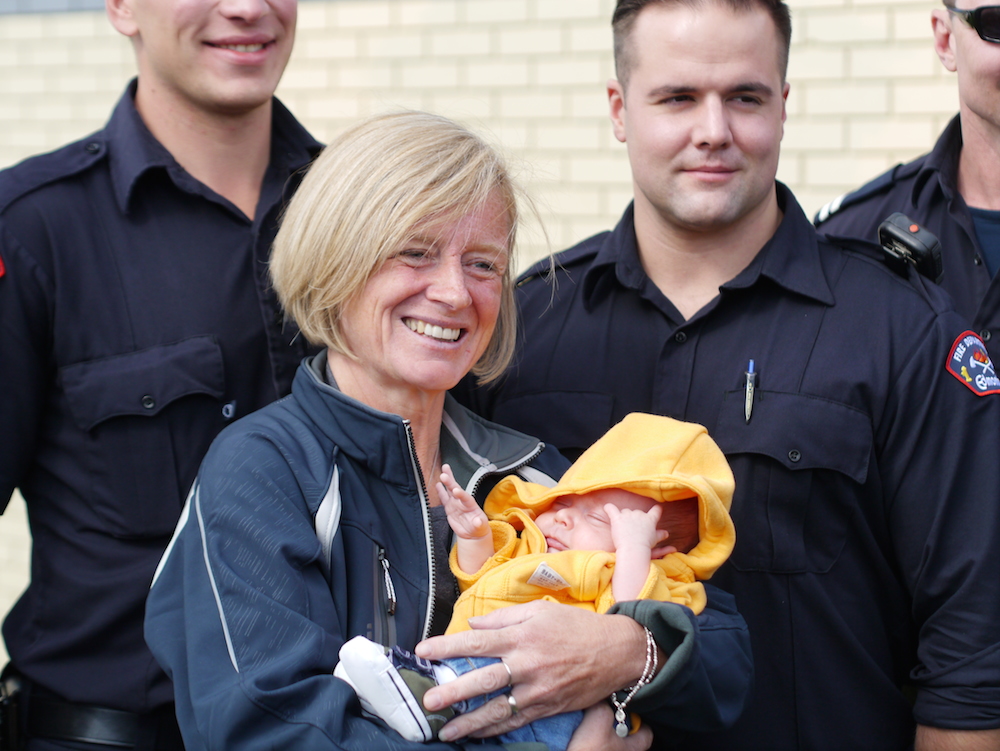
pixel 970 363
pixel 547 577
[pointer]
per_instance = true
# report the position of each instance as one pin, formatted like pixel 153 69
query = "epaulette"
pixel 881 183
pixel 875 252
pixel 38 171
pixel 544 268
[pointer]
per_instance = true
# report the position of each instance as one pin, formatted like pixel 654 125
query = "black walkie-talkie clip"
pixel 906 242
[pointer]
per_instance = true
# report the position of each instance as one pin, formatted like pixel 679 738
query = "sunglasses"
pixel 985 20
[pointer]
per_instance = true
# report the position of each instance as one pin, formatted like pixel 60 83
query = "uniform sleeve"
pixel 939 454
pixel 25 368
pixel 241 617
pixel 706 680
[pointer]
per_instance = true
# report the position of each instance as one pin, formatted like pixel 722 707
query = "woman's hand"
pixel 597 733
pixel 560 657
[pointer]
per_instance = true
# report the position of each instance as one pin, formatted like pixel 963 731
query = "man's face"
pixel 974 60
pixel 218 56
pixel 703 114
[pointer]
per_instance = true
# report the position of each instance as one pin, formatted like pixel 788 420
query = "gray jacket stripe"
pixel 211 579
pixel 536 476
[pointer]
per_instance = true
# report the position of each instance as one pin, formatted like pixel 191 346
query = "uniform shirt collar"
pixel 133 150
pixel 790 258
pixel 941 163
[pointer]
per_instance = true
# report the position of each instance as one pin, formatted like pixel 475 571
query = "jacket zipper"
pixel 428 534
pixel 390 590
pixel 523 461
pixel 384 631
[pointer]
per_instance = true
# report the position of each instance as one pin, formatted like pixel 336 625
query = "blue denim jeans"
pixel 554 732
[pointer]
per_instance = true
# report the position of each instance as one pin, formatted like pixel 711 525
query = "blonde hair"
pixel 362 199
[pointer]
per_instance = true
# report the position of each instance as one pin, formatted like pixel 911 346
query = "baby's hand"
pixel 632 528
pixel 466 519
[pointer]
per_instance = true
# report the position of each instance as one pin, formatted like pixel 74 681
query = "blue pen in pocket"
pixel 751 384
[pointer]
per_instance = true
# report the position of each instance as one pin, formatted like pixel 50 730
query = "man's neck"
pixel 979 163
pixel 228 153
pixel 688 265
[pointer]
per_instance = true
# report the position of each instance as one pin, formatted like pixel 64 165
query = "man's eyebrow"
pixel 754 87
pixel 751 87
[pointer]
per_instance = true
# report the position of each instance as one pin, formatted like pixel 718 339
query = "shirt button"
pixel 93 147
pixel 978 261
pixel 148 402
pixel 680 337
pixel 794 455
pixel 985 335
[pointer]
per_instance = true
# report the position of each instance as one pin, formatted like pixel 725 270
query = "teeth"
pixel 243 47
pixel 434 332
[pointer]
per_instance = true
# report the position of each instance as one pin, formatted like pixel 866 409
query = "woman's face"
pixel 427 315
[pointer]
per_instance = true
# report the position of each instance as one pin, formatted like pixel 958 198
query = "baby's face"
pixel 579 522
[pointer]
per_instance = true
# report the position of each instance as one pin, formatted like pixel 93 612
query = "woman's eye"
pixel 414 255
pixel 484 267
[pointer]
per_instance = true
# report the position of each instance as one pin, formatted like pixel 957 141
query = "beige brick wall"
pixel 867 91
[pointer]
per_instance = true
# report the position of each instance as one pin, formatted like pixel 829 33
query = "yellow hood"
pixel 653 456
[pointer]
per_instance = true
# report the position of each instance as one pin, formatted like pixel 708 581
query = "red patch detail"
pixel 970 363
pixel 2 269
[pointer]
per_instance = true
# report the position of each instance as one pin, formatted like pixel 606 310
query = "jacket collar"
pixel 133 150
pixel 790 258
pixel 377 439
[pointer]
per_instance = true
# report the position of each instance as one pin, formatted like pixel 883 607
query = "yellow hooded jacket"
pixel 650 455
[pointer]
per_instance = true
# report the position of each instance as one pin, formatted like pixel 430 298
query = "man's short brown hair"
pixel 626 12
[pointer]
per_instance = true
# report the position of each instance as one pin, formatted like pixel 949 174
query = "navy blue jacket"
pixel 926 190
pixel 308 525
pixel 136 321
pixel 867 522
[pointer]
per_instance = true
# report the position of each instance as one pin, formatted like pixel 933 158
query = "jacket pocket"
pixel 789 462
pixel 124 405
pixel 385 600
pixel 569 420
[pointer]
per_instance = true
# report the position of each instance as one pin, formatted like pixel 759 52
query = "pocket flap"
pixel 143 382
pixel 800 431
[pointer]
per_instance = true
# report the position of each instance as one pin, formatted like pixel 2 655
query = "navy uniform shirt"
pixel 867 522
pixel 136 321
pixel 926 190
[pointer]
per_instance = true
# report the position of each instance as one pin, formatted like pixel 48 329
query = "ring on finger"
pixel 512 703
pixel 510 675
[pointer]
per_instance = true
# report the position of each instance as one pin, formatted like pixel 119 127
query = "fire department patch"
pixel 970 363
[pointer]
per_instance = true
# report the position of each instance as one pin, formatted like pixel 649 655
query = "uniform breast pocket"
pixel 149 416
pixel 797 465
